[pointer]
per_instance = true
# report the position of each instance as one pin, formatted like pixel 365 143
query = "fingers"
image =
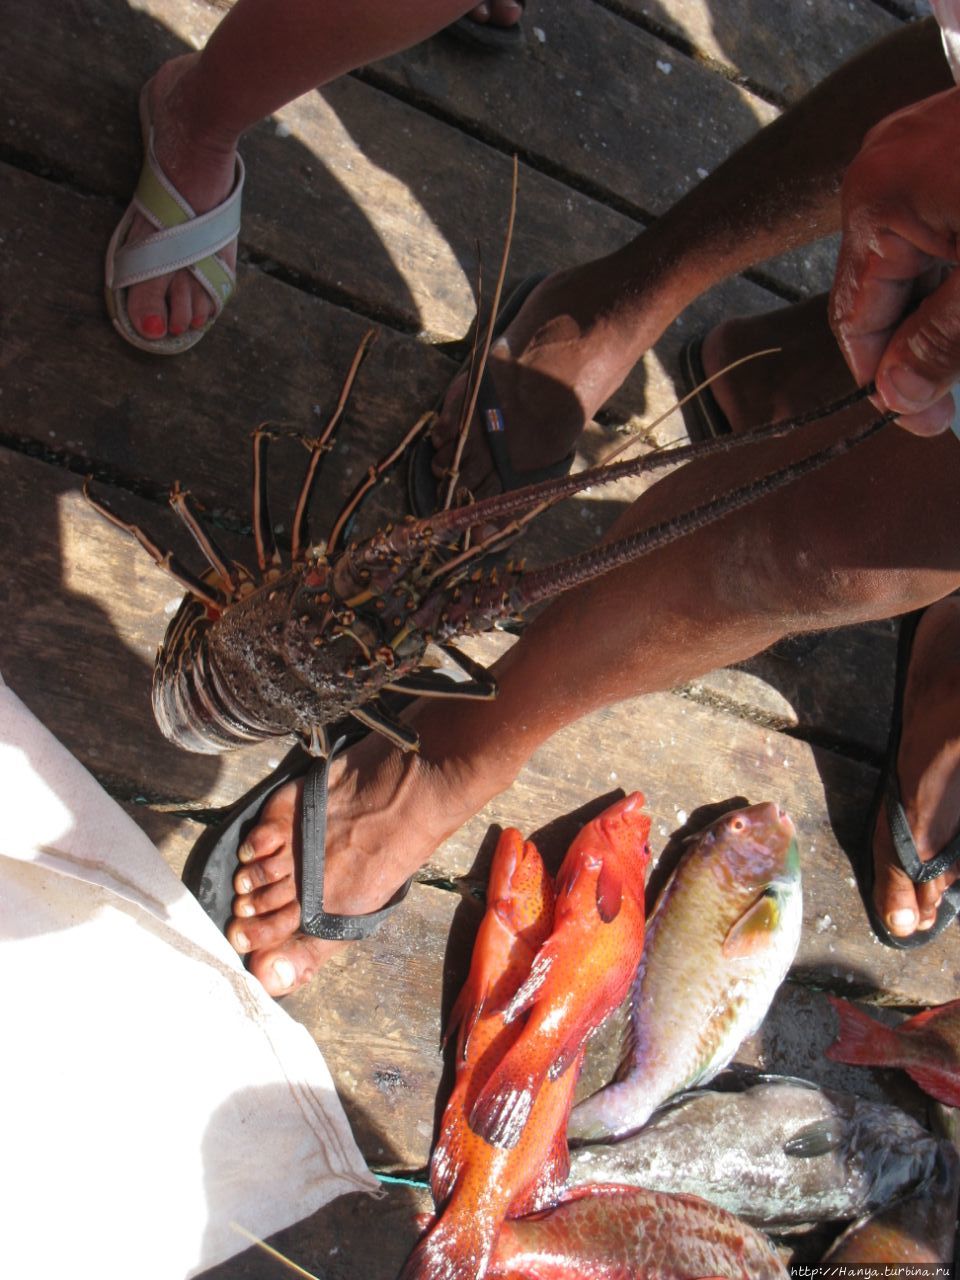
pixel 921 362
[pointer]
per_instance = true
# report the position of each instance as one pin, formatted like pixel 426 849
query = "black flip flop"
pixel 489 37
pixel 212 861
pixel 422 486
pixel 702 416
pixel 888 790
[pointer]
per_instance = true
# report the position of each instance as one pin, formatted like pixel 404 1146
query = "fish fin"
pixel 861 1040
pixel 543 962
pixel 814 1139
pixel 609 890
pixel 503 1107
pixel 939 1084
pixel 551 1177
pixel 493 944
pixel 445 1163
pixel 752 931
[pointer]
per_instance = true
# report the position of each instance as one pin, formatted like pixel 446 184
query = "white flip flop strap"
pixel 183 239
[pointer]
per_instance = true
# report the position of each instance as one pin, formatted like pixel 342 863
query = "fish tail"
pixel 457 1245
pixel 861 1040
pixel 612 1112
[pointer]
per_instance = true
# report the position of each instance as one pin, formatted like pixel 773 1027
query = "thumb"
pixel 921 361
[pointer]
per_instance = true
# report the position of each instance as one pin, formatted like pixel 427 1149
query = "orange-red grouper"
pixel 610 1232
pixel 927 1046
pixel 474 1183
pixel 581 972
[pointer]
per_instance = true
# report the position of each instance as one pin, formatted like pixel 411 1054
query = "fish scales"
pixel 780 1154
pixel 622 1233
pixel 719 943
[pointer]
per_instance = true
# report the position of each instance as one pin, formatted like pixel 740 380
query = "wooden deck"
pixel 366 202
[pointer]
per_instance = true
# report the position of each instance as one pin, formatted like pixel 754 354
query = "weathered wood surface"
pixel 364 202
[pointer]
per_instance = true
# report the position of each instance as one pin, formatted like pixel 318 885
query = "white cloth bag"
pixel 152 1092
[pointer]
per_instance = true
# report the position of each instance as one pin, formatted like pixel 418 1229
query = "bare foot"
pixel 928 770
pixel 388 811
pixel 568 350
pixel 201 165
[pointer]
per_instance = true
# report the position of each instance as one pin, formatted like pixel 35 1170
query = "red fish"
pixel 609 1232
pixel 582 971
pixel 473 1183
pixel 927 1046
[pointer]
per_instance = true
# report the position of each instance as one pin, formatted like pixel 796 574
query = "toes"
pixel 147 307
pixel 896 901
pixel 255 875
pixel 270 898
pixel 255 933
pixel 269 837
pixel 289 966
pixel 179 304
pixel 202 305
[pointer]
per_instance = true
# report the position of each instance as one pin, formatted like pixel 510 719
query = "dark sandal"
pixel 888 790
pixel 212 861
pixel 422 484
pixel 702 416
pixel 490 37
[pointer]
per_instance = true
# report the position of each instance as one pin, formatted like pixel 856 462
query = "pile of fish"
pixel 676 1191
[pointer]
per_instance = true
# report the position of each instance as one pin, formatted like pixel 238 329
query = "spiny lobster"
pixel 301 648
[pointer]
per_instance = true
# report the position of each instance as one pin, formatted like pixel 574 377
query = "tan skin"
pixel 721 595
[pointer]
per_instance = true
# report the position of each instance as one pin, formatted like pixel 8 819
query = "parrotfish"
pixel 780 1154
pixel 927 1046
pixel 475 1184
pixel 609 1232
pixel 917 1229
pixel 581 972
pixel 720 941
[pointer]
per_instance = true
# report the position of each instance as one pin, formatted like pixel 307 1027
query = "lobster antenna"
pixel 546 583
pixel 519 522
pixel 487 343
pixel 321 445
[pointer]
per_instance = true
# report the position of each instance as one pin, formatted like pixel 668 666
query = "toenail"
pixel 198 322
pixel 240 941
pixel 902 921
pixel 910 386
pixel 244 909
pixel 153 326
pixel 244 884
pixel 245 852
pixel 176 330
pixel 926 924
pixel 285 973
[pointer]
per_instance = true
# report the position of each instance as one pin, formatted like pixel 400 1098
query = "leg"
pixel 582 330
pixel 261 56
pixel 716 597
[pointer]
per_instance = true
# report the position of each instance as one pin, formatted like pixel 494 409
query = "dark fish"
pixel 780 1154
pixel 918 1229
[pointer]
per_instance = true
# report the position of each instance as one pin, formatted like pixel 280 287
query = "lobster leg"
pixel 374 717
pixel 434 684
pixel 268 555
pixel 210 596
pixel 180 501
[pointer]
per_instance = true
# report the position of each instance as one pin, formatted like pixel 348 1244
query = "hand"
pixel 901 220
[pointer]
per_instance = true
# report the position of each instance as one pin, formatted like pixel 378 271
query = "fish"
pixel 919 1228
pixel 926 1046
pixel 720 940
pixel 781 1153
pixel 475 1184
pixel 610 1232
pixel 581 973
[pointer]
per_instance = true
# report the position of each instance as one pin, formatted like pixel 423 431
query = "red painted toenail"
pixel 198 322
pixel 153 326
pixel 176 330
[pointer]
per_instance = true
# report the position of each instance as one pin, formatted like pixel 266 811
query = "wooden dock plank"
pixel 781 50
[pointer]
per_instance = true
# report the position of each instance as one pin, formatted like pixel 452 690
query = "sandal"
pixel 182 239
pixel 422 485
pixel 491 37
pixel 212 861
pixel 888 791
pixel 702 416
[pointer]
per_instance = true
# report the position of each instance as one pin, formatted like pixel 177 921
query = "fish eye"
pixel 738 823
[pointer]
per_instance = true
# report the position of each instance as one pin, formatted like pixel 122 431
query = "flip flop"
pixel 422 485
pixel 888 790
pixel 182 239
pixel 490 37
pixel 212 861
pixel 702 416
